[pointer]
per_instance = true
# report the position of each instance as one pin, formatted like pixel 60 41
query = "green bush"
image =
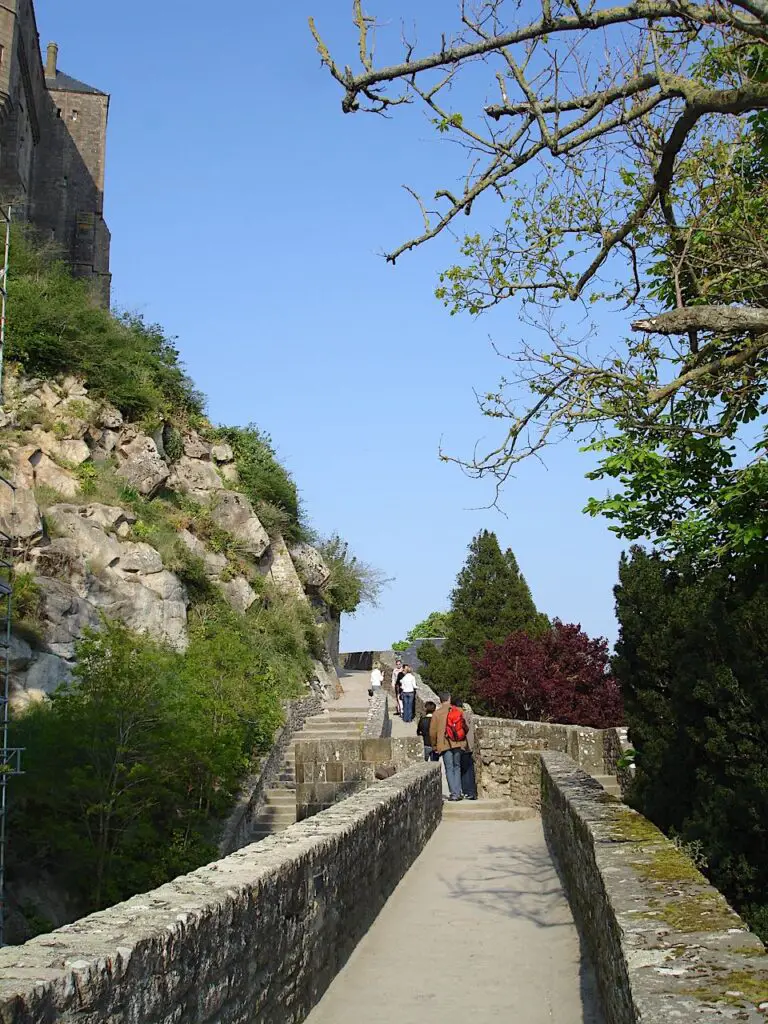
pixel 130 771
pixel 56 328
pixel 352 582
pixel 262 477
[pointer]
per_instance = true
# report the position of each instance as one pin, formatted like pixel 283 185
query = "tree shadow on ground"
pixel 525 883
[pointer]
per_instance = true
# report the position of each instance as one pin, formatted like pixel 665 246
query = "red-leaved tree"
pixel 559 676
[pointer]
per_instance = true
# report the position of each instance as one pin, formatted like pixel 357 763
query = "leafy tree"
pixel 691 659
pixel 435 625
pixel 559 675
pixel 490 600
pixel 638 179
pixel 352 582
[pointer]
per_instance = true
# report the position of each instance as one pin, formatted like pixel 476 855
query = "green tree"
pixel 435 625
pixel 491 599
pixel 692 658
pixel 637 181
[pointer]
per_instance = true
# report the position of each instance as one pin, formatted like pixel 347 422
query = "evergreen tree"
pixel 490 600
pixel 692 659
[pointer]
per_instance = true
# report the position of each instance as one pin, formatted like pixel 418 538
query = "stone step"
pixel 279 797
pixel 486 810
pixel 273 821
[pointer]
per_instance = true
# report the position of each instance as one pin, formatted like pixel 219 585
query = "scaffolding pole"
pixel 10 757
pixel 5 226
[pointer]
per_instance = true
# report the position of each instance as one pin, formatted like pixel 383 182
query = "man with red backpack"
pixel 448 736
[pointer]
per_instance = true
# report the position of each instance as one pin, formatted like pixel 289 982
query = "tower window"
pixel 58 111
pixel 75 114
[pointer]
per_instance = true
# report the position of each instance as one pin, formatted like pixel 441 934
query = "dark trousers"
pixel 468 782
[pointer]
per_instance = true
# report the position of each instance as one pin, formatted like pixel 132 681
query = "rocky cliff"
pixel 129 520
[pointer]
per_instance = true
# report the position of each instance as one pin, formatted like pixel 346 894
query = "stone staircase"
pixel 279 808
pixel 486 809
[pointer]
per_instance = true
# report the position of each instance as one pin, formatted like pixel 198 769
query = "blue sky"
pixel 247 216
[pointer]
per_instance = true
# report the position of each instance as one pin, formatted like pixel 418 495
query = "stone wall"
pixel 237 830
pixel 328 771
pixel 665 944
pixel 378 724
pixel 255 938
pixel 505 766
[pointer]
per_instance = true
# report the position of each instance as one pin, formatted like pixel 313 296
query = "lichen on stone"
pixel 738 988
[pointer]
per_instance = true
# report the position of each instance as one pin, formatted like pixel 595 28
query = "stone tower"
pixel 53 132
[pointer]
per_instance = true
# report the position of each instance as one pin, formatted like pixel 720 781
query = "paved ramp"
pixel 478 930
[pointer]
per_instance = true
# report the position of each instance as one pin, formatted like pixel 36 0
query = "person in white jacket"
pixel 397 675
pixel 377 678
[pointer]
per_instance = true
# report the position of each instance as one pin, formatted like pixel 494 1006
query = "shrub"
pixel 57 328
pixel 352 582
pixel 262 477
pixel 559 675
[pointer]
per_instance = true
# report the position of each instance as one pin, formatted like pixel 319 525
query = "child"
pixel 422 729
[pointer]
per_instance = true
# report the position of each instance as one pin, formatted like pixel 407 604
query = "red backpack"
pixel 455 726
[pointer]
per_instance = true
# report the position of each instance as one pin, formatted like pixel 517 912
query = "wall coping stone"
pixel 255 937
pixel 378 722
pixel 665 944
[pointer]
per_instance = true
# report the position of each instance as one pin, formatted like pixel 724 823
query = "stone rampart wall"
pixel 505 767
pixel 255 938
pixel 237 830
pixel 331 770
pixel 665 944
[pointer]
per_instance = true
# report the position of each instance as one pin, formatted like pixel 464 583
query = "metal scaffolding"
pixel 10 757
pixel 5 226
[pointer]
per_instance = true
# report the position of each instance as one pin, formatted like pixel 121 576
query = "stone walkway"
pixel 478 930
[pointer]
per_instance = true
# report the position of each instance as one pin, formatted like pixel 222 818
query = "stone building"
pixel 53 131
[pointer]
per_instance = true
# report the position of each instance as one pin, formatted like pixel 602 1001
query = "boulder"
pixel 194 477
pixel 222 452
pixel 19 515
pixel 324 681
pixel 228 472
pixel 109 417
pixel 195 447
pixel 239 593
pixel 136 557
pixel 73 387
pixel 48 474
pixel 214 562
pixel 141 466
pixel 233 512
pixel 61 558
pixel 154 604
pixel 19 654
pixel 47 397
pixel 97 548
pixel 75 451
pixel 281 571
pixel 106 516
pixel 310 565
pixel 66 614
pixel 45 674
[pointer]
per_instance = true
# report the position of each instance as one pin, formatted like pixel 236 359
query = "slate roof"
pixel 66 83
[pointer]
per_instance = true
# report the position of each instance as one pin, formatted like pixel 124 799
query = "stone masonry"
pixel 53 131
pixel 255 938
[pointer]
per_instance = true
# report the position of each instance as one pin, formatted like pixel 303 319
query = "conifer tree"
pixel 491 599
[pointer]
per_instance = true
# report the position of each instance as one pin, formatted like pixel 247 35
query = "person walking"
pixel 397 675
pixel 408 691
pixel 377 678
pixel 468 780
pixel 448 736
pixel 422 729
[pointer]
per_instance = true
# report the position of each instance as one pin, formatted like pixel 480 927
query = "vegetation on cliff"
pixel 130 769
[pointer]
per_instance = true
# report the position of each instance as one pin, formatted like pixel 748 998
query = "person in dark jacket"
pixel 422 729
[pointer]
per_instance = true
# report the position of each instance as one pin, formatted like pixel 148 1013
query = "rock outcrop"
pixel 88 551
